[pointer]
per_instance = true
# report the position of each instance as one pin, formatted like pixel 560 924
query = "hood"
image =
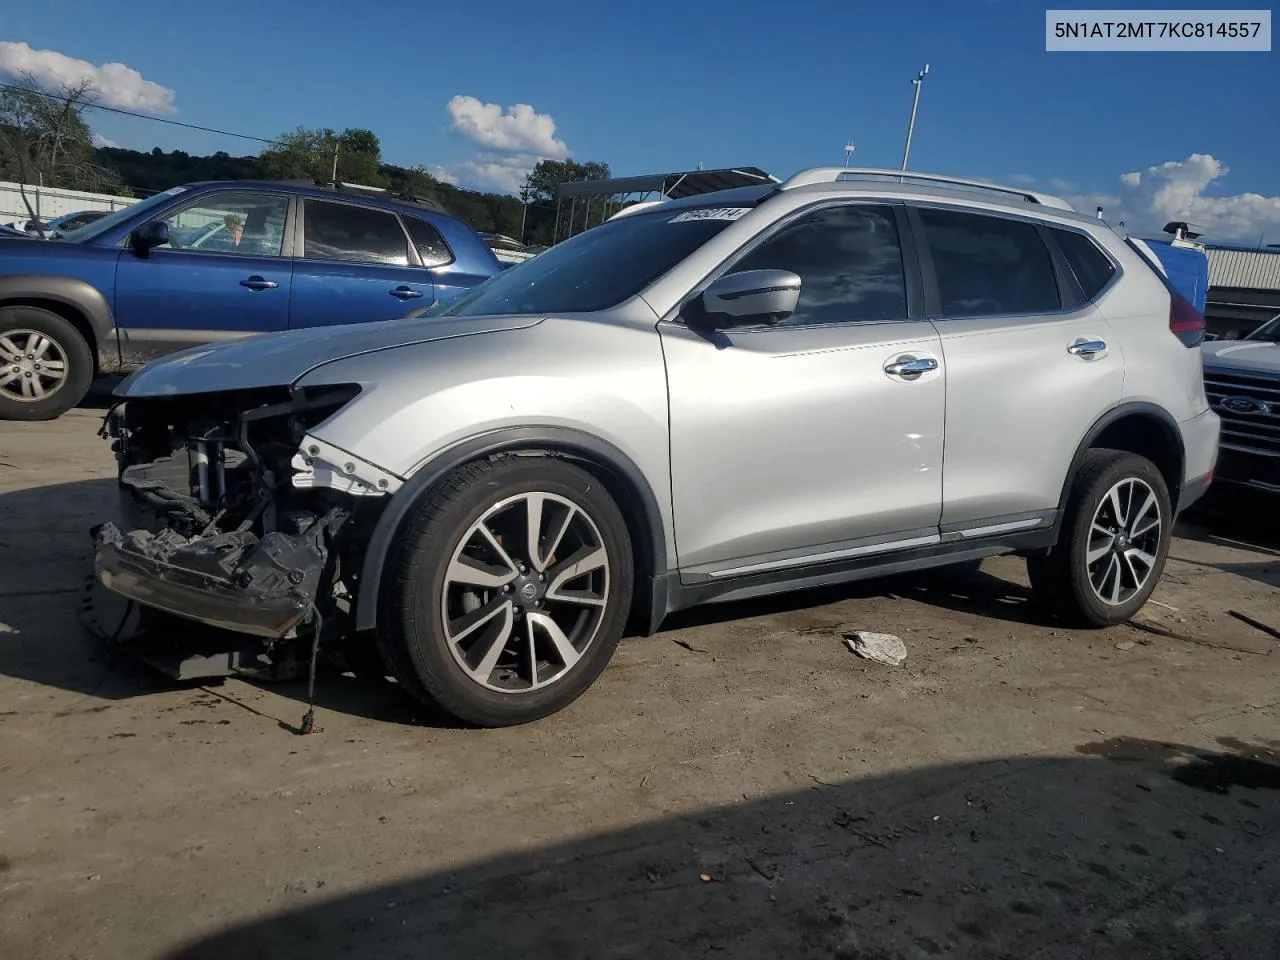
pixel 1244 356
pixel 280 359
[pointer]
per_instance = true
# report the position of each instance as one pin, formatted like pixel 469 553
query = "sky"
pixel 478 92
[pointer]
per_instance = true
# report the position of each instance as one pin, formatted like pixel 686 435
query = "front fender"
pixel 564 442
pixel 78 295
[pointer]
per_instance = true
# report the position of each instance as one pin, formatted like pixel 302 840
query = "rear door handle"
pixel 406 293
pixel 909 368
pixel 258 283
pixel 1087 348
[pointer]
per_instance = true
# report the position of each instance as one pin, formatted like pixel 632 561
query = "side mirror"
pixel 149 235
pixel 752 296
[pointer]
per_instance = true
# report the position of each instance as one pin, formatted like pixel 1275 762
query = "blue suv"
pixel 216 261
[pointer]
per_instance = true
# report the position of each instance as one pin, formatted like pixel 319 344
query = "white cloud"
pixel 1022 179
pixel 443 175
pixel 519 129
pixel 100 141
pixel 504 173
pixel 117 85
pixel 1178 190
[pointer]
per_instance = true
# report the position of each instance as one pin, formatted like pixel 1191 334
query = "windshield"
pixel 98 227
pixel 596 269
pixel 1269 331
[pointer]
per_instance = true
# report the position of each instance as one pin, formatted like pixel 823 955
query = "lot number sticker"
pixel 713 213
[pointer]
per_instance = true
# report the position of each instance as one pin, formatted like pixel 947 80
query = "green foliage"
pixel 540 194
pixel 356 154
pixel 44 139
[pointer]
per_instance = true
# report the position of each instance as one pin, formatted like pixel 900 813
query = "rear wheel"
pixel 46 366
pixel 508 590
pixel 1114 541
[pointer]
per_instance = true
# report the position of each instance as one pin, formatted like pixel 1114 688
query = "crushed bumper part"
pixel 236 581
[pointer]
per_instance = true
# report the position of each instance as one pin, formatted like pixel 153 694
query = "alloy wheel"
pixel 33 365
pixel 525 592
pixel 1124 541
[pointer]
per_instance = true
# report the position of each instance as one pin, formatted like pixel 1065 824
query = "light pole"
pixel 848 152
pixel 915 103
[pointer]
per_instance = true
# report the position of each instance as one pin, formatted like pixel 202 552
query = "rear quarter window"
pixel 1092 268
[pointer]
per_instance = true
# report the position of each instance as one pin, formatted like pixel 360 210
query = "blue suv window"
pixel 341 231
pixel 238 222
pixel 431 246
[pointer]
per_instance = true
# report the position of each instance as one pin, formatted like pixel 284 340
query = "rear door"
pixel 355 265
pixel 1031 363
pixel 224 274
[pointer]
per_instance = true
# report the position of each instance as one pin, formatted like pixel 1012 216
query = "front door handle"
pixel 405 293
pixel 258 283
pixel 1087 348
pixel 909 368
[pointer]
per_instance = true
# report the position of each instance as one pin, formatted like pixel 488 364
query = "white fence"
pixel 50 202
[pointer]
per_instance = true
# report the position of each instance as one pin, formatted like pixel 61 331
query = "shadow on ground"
pixel 1131 849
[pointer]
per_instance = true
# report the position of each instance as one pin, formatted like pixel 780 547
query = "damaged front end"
pixel 238 518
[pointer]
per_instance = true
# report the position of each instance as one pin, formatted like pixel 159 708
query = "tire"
pixel 1114 586
pixel 437 622
pixel 33 343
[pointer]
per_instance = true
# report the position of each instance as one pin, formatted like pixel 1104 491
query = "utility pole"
pixel 918 82
pixel 334 178
pixel 848 152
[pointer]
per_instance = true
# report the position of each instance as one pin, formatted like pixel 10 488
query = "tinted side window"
pixel 340 231
pixel 849 261
pixel 989 265
pixel 1090 265
pixel 431 246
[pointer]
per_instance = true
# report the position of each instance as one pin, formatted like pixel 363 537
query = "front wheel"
pixel 508 590
pixel 1114 541
pixel 46 366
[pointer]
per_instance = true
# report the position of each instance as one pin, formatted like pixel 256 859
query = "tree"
pixel 539 195
pixel 313 153
pixel 45 139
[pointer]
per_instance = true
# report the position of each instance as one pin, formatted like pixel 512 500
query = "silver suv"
pixel 851 373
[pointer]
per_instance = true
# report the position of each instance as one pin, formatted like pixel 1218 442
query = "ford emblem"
pixel 1245 405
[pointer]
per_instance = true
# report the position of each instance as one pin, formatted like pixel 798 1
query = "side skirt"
pixel 670 594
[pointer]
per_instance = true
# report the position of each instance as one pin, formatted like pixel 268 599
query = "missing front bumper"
pixel 236 581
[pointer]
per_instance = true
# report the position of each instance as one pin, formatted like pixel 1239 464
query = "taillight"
pixel 1185 321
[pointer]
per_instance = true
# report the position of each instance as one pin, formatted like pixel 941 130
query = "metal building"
pixel 1244 288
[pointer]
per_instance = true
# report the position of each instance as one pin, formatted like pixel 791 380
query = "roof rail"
pixel 833 174
pixel 360 189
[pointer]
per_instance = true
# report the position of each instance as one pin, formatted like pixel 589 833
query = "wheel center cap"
pixel 1122 542
pixel 527 592
pixel 25 365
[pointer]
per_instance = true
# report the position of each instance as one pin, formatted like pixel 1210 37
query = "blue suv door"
pixel 223 274
pixel 356 265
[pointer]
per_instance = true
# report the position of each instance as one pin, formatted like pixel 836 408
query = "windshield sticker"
pixel 174 191
pixel 711 213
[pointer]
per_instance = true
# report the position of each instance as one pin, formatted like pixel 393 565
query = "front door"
pixel 222 275
pixel 1031 364
pixel 801 442
pixel 355 267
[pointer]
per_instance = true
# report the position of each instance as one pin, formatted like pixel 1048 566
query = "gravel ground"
pixel 739 785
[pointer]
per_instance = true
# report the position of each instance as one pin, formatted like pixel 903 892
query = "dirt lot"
pixel 738 786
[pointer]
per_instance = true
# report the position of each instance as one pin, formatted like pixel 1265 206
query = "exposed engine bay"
pixel 238 518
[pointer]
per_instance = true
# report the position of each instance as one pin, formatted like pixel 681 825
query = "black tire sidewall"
pixel 1075 578
pixel 74 348
pixel 424 642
